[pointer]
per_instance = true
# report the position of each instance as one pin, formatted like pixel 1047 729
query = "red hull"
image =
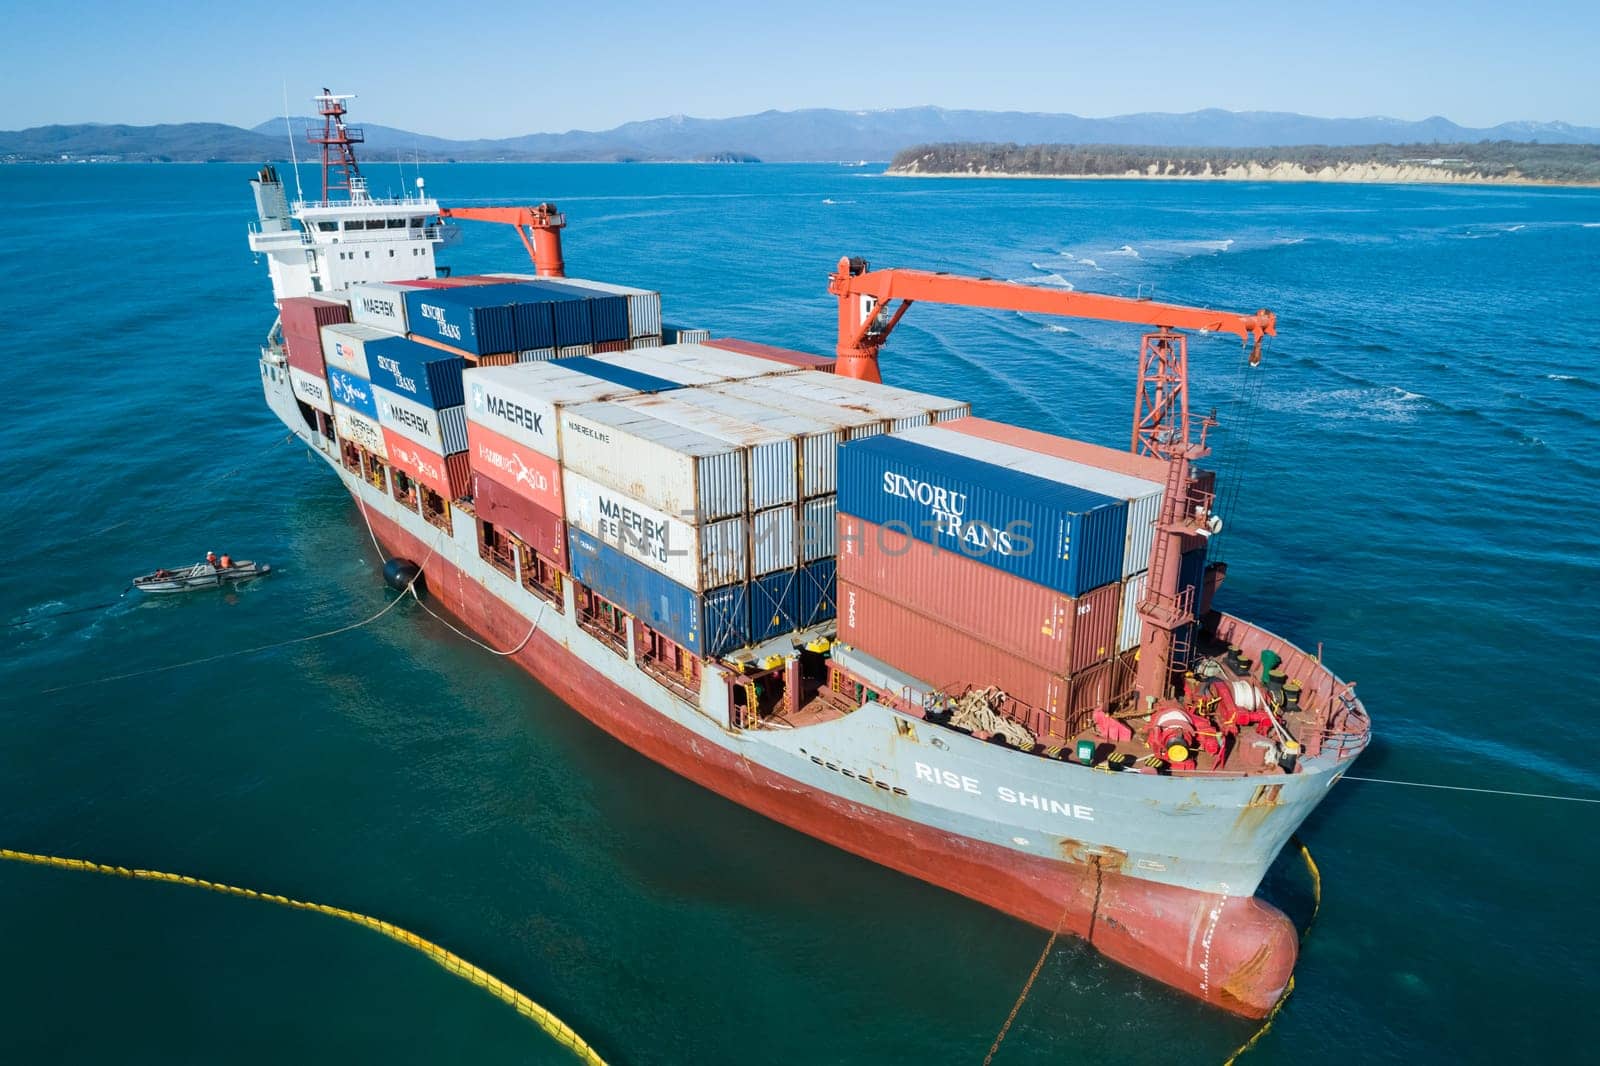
pixel 1236 953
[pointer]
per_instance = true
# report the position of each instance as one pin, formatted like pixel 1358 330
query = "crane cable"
pixel 560 1031
pixel 1246 409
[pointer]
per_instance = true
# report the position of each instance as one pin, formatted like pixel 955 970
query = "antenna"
pixel 299 193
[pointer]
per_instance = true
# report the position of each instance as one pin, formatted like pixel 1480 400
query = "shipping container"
pixel 621 369
pixel 379 304
pixel 709 624
pixel 453 428
pixel 804 360
pixel 447 475
pixel 819 526
pixel 305 353
pixel 817 593
pixel 902 409
pixel 683 472
pixel 536 355
pixel 684 335
pixel 344 346
pixel 772 540
pixel 476 319
pixel 643 306
pixel 418 372
pixel 850 422
pixel 521 401
pixel 510 508
pixel 698 557
pixel 1066 538
pixel 304 316
pixel 945 657
pixel 1143 496
pixel 582 314
pixel 524 470
pixel 355 393
pixel 359 429
pixel 721 364
pixel 774 605
pixel 420 424
pixel 610 347
pixel 1061 633
pixel 311 389
pixel 1115 459
pixel 575 351
pixel 1130 625
pixel 644 342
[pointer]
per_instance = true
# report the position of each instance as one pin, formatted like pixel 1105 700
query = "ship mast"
pixel 338 141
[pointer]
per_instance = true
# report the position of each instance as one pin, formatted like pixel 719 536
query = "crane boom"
pixel 539 227
pixel 1160 417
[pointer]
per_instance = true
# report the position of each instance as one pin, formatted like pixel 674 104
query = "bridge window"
pixel 397 223
pixel 328 227
pixel 417 223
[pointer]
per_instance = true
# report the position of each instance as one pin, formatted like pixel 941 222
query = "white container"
pixel 453 429
pixel 536 355
pixel 697 557
pixel 681 471
pixel 1131 625
pixel 1143 497
pixel 680 335
pixel 345 346
pixel 850 423
pixel 817 437
pixel 819 528
pixel 380 305
pixel 725 365
pixel 312 390
pixel 521 401
pixel 901 408
pixel 772 541
pixel 645 342
pixel 650 362
pixel 644 306
pixel 358 428
pixel 411 420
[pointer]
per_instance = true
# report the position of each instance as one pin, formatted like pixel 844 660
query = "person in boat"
pixel 211 560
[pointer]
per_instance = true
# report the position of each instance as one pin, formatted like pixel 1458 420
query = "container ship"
pixel 980 655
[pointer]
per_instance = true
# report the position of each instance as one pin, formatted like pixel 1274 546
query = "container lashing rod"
pixel 539 227
pixel 1161 406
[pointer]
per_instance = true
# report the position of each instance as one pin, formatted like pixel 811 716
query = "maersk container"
pixel 643 306
pixel 804 360
pixel 1061 633
pixel 819 528
pixel 945 657
pixel 817 593
pixel 1143 496
pixel 1116 460
pixel 448 475
pixel 683 472
pixel 516 467
pixel 902 409
pixel 476 319
pixel 357 428
pixel 522 401
pixel 304 316
pixel 379 304
pixel 772 540
pixel 708 624
pixel 850 423
pixel 353 392
pixel 1066 538
pixel 774 605
pixel 417 371
pixel 507 508
pixel 698 557
pixel 311 389
pixel 411 420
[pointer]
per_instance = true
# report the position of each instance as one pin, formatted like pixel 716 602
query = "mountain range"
pixel 797 136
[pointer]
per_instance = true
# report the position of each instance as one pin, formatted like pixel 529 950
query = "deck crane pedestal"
pixel 1160 415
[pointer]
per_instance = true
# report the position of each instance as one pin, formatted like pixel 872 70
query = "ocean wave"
pixel 1384 403
pixel 1126 250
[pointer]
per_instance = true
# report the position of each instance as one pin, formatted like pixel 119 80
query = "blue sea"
pixel 1417 464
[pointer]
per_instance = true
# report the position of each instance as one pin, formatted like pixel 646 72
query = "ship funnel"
pixel 272 206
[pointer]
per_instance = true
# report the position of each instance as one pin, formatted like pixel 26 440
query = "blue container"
pixel 417 371
pixel 535 325
pixel 607 312
pixel 1064 538
pixel 619 375
pixel 708 624
pixel 479 319
pixel 816 591
pixel 774 605
pixel 355 393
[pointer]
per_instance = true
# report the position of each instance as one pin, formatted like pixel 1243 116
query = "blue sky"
pixel 489 68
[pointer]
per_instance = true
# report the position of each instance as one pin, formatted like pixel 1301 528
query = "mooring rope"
pixel 1027 986
pixel 1464 788
pixel 560 1031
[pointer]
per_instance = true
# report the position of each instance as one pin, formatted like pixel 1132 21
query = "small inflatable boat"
pixel 200 576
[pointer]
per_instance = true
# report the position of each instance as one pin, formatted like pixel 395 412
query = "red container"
pixel 541 530
pixel 942 656
pixel 535 477
pixel 304 316
pixel 778 355
pixel 1061 633
pixel 448 475
pixel 305 352
pixel 1095 455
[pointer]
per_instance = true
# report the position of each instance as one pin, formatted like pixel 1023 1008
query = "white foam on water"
pixel 1377 404
pixel 1126 250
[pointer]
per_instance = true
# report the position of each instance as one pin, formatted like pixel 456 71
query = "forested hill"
pixel 1483 161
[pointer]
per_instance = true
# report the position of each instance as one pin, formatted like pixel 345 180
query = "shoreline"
pixel 1277 173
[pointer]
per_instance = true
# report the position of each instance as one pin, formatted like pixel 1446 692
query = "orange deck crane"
pixel 539 227
pixel 1160 415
